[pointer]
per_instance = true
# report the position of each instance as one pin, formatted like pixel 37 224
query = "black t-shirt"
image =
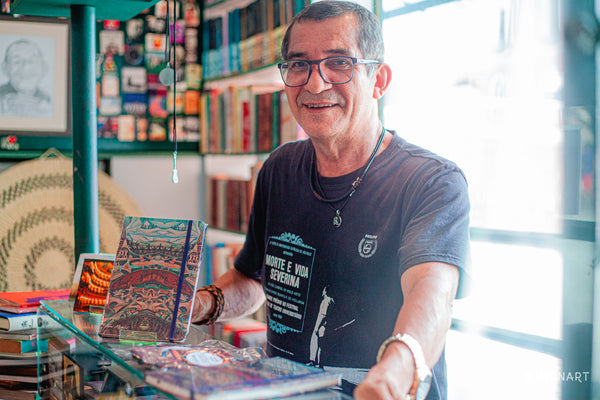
pixel 333 294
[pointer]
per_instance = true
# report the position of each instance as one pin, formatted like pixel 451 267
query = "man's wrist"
pixel 422 373
pixel 216 307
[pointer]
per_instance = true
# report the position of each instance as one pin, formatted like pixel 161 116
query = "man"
pixel 24 67
pixel 355 235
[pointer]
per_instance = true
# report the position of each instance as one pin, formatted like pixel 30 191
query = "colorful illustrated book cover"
pixel 209 352
pixel 29 301
pixel 90 282
pixel 272 377
pixel 154 279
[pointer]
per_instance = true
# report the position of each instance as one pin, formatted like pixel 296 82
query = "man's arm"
pixel 429 290
pixel 242 295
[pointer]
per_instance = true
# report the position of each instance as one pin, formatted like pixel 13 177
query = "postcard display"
pixel 154 279
pixel 133 105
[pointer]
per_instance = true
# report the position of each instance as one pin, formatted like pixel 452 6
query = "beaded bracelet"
pixel 219 303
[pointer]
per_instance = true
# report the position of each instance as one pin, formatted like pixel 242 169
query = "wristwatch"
pixel 423 376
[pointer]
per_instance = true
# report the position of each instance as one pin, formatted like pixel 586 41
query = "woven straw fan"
pixel 37 224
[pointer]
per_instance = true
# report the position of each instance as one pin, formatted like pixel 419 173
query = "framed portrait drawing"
pixel 34 76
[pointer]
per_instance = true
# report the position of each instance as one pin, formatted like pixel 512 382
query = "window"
pixel 481 83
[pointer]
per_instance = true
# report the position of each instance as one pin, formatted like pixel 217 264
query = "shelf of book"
pixel 266 76
pixel 244 112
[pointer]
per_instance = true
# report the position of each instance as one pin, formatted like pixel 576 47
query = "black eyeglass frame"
pixel 318 64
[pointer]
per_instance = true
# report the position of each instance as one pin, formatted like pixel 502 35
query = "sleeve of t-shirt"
pixel 438 223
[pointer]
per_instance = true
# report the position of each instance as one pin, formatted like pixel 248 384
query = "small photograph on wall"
pixel 34 80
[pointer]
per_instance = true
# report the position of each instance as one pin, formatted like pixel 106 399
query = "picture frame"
pixel 35 76
pixel 90 282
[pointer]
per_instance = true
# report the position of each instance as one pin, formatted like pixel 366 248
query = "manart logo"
pixel 367 246
pixel 9 143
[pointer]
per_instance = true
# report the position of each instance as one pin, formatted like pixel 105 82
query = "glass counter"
pixel 74 362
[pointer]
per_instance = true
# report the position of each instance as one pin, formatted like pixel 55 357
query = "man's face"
pixel 325 109
pixel 24 67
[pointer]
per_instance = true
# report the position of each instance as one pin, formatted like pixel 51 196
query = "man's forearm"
pixel 242 295
pixel 429 290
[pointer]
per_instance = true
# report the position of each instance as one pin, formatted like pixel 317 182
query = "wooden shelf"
pixel 267 76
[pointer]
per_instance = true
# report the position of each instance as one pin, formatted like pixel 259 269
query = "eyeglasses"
pixel 336 70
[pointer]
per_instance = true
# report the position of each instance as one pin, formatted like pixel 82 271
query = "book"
pixel 18 394
pixel 271 377
pixel 250 338
pixel 29 378
pixel 29 301
pixel 25 334
pixel 207 353
pixel 11 359
pixel 23 346
pixel 154 280
pixel 16 322
pixel 90 282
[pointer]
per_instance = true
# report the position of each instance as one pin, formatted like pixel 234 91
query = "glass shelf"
pixel 75 346
pixel 75 334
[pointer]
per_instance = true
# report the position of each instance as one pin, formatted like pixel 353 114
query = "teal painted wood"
pixel 85 136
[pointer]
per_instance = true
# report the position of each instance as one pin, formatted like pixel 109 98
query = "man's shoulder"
pixel 290 152
pixel 418 161
pixel 423 155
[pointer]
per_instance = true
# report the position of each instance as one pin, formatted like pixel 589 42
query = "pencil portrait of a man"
pixel 23 90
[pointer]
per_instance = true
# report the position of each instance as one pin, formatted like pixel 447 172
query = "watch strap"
pixel 422 371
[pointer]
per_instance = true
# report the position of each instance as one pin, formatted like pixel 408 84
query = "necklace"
pixel 337 218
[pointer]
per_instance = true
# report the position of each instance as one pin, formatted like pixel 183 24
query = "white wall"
pixel 147 179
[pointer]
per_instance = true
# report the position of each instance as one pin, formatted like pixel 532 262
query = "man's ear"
pixel 383 76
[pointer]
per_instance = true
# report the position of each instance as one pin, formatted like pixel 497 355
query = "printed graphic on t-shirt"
pixel 288 268
pixel 319 329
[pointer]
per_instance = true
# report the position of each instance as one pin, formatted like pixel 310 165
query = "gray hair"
pixel 370 36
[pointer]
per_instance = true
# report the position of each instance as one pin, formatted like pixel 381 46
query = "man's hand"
pixel 389 379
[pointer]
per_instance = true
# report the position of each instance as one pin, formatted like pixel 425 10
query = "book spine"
pixel 19 346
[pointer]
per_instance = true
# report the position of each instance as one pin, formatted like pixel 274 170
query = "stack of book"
pixel 19 341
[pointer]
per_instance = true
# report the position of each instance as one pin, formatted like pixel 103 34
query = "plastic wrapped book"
pixel 242 380
pixel 208 353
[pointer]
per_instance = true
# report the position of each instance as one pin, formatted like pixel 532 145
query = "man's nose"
pixel 316 83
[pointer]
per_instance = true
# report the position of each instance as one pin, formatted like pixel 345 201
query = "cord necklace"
pixel 337 219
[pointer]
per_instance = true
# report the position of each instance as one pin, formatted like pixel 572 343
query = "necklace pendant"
pixel 337 219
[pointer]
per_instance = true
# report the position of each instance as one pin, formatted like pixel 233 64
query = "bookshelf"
pixel 243 107
pixel 244 113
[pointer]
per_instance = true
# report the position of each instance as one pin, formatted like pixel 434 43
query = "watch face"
pixel 423 388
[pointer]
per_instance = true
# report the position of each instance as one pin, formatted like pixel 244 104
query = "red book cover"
pixel 29 301
pixel 154 279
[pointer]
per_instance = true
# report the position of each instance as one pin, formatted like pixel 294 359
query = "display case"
pixel 75 363
pixel 79 364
